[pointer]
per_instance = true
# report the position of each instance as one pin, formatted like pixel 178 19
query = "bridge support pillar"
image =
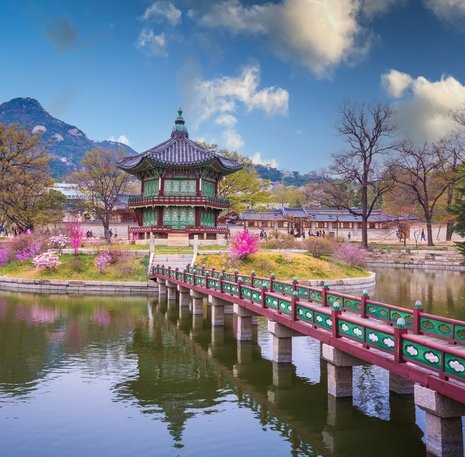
pixel 443 435
pixel 197 302
pixel 217 307
pixel 217 340
pixel 400 385
pixel 161 286
pixel 171 286
pixel 244 323
pixel 184 298
pixel 282 342
pixel 282 374
pixel 339 369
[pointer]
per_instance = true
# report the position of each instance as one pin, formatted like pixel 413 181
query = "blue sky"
pixel 265 78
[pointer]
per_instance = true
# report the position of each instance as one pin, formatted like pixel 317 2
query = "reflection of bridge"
pixel 414 346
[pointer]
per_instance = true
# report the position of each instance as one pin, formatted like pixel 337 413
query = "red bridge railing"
pixel 340 315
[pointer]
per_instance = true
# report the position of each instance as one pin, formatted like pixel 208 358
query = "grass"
pixel 81 267
pixel 284 266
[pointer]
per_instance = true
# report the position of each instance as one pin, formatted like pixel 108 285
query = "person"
pixel 111 233
pixel 116 234
pixel 422 236
pixel 349 236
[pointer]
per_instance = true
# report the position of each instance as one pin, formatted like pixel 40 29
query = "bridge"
pixel 424 353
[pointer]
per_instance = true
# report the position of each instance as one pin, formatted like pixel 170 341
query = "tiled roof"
pixel 180 151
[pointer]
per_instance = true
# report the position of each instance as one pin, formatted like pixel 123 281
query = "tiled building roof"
pixel 179 151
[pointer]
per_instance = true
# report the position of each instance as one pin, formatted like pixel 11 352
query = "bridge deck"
pixel 429 350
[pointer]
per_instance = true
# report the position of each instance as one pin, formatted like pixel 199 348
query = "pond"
pixel 133 376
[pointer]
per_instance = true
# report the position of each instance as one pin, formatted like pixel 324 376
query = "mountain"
pixel 66 143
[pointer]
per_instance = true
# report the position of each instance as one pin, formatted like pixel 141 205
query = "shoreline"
pixel 88 287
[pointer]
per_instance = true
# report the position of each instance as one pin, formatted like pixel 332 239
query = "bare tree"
pixel 358 175
pixel 426 173
pixel 101 182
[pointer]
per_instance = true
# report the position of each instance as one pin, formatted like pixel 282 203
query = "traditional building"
pixel 179 188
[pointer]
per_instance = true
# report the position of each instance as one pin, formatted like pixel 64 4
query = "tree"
pixel 76 234
pixel 25 198
pixel 288 196
pixel 425 174
pixel 243 188
pixel 101 182
pixel 358 174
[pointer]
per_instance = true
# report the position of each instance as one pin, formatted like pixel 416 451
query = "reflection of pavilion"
pixel 181 372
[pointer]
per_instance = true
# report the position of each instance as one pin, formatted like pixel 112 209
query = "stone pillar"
pixel 217 307
pixel 161 286
pixel 171 286
pixel 229 308
pixel 184 316
pixel 217 341
pixel 244 323
pixel 197 302
pixel 400 385
pixel 197 322
pixel 184 297
pixel 282 342
pixel 244 357
pixel 282 374
pixel 339 369
pixel 443 433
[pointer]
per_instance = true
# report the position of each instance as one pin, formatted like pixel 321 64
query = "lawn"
pixel 284 266
pixel 81 267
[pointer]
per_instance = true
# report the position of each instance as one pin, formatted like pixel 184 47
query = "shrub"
pixel 3 256
pixel 76 235
pixel 58 242
pixel 243 244
pixel 126 266
pixel 77 264
pixel 48 260
pixel 319 246
pixel 25 247
pixel 280 240
pixel 350 254
pixel 102 260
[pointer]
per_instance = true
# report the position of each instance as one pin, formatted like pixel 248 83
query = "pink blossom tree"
pixel 76 235
pixel 243 244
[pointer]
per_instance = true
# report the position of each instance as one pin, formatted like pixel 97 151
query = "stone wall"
pixel 56 286
pixel 449 259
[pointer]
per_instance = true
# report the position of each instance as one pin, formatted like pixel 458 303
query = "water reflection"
pixel 154 367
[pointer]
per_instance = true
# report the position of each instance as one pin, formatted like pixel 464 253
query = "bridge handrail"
pixel 419 322
pixel 448 361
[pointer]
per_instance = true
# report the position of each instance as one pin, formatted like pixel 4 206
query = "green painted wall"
pixel 149 216
pixel 208 188
pixel 180 186
pixel 207 217
pixel 178 216
pixel 151 186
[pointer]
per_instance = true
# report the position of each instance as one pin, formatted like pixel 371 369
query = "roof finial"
pixel 179 125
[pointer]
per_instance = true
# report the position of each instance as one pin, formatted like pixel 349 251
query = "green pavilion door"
pixel 178 217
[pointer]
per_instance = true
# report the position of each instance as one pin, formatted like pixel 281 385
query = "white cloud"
pixel 220 98
pixel 152 44
pixel 424 106
pixel 232 140
pixel 318 34
pixel 396 82
pixel 259 160
pixel 451 11
pixel 120 139
pixel 163 9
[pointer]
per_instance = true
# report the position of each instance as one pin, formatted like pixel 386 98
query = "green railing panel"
pixel 285 306
pixel 234 289
pixel 246 292
pixel 459 332
pixel 213 283
pixel 422 354
pixel 256 297
pixel 227 287
pixel 304 313
pixel 189 278
pixel 271 302
pixel 436 327
pixel 229 277
pixel 258 282
pixel 278 286
pixel 322 319
pixel 377 311
pixel 454 365
pixel 352 330
pixel 316 295
pixel 406 315
pixel 247 280
pixel 303 292
pixel 379 339
pixel 352 304
pixel 288 289
pixel 331 298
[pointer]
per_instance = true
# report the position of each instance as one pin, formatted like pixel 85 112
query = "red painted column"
pixel 160 216
pixel 197 186
pixel 162 187
pixel 197 216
